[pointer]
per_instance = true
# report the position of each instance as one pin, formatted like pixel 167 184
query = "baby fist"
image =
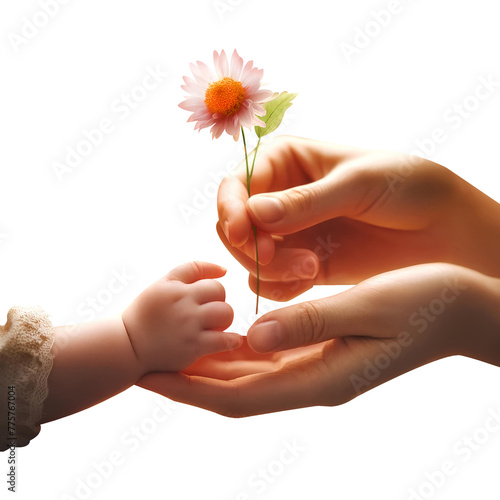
pixel 181 318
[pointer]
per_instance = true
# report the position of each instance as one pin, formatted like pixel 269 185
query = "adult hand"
pixel 329 214
pixel 333 349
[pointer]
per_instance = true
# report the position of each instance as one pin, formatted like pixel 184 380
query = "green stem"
pixel 246 161
pixel 249 178
pixel 254 156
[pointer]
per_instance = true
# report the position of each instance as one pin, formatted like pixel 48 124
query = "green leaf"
pixel 275 111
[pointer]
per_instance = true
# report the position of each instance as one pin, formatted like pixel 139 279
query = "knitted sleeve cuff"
pixel 25 365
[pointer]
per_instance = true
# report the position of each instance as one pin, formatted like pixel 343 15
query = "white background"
pixel 120 209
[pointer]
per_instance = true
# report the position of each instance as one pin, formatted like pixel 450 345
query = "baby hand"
pixel 181 318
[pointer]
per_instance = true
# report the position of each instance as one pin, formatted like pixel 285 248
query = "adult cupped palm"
pixel 329 214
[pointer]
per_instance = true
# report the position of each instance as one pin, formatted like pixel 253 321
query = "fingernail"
pixel 267 208
pixel 304 267
pixel 266 336
pixel 225 228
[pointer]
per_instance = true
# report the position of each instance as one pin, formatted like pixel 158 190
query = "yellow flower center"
pixel 224 96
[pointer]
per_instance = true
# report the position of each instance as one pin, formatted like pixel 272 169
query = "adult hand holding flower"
pixel 332 214
pixel 339 215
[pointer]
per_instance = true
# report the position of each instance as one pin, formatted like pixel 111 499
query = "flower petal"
pixel 200 115
pixel 246 117
pixel 193 104
pixel 206 71
pixel 260 95
pixel 258 122
pixel 195 89
pixel 236 66
pixel 230 127
pixel 217 130
pixel 252 82
pixel 188 81
pixel 223 64
pixel 258 110
pixel 203 124
pixel 246 71
pixel 199 74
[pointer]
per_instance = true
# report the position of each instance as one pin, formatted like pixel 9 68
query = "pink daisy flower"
pixel 225 100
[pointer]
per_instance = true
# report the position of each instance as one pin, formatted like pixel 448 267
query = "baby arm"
pixel 175 321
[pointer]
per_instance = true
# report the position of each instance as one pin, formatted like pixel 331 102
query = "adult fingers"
pixel 249 395
pixel 231 206
pixel 378 307
pixel 357 186
pixel 278 290
pixel 276 168
pixel 338 194
pixel 266 246
pixel 338 373
pixel 245 361
pixel 247 251
pixel 227 369
pixel 345 314
pixel 288 264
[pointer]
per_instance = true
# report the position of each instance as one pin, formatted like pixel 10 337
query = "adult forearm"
pixel 477 230
pixel 483 335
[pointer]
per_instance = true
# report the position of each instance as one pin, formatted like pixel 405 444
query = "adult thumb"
pixel 296 208
pixel 312 322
